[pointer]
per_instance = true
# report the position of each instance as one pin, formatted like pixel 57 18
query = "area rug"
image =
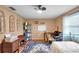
pixel 37 47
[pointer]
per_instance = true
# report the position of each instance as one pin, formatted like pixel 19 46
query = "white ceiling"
pixel 52 11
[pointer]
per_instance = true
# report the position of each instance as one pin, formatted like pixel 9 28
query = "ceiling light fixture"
pixel 39 11
pixel 40 8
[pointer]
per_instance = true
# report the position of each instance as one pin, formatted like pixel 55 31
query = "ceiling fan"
pixel 40 7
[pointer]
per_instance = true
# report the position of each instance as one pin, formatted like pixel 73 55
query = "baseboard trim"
pixel 39 40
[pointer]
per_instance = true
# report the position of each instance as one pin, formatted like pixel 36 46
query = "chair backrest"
pixel 21 37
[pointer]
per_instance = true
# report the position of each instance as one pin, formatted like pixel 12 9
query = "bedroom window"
pixel 71 26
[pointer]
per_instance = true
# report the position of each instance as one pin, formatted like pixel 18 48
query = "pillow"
pixel 7 35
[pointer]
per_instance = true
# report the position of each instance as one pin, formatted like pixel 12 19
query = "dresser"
pixel 10 47
pixel 0 46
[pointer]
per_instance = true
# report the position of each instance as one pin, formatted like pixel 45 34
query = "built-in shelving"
pixel 27 31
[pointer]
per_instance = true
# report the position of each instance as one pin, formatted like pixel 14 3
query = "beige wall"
pixel 50 23
pixel 7 13
pixel 59 23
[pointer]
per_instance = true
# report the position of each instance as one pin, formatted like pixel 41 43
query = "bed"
pixel 65 47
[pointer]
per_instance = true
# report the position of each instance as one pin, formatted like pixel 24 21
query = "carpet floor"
pixel 37 47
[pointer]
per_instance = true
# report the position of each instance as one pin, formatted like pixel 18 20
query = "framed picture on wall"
pixel 42 28
pixel 11 23
pixel 2 22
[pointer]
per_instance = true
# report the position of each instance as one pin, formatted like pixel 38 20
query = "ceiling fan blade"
pixel 43 8
pixel 39 6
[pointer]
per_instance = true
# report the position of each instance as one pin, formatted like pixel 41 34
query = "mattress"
pixel 65 46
